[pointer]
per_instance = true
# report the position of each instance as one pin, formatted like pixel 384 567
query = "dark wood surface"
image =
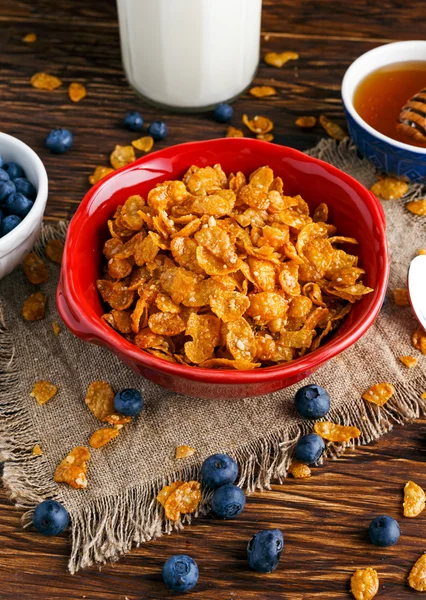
pixel 325 518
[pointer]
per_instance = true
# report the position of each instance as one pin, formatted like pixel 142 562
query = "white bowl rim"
pixel 347 100
pixel 6 243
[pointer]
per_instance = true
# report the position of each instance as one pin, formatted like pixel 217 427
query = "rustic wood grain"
pixel 324 519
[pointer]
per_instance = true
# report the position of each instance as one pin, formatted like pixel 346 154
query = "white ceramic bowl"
pixel 403 160
pixel 16 244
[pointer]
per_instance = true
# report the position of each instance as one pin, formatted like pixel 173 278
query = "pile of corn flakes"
pixel 220 272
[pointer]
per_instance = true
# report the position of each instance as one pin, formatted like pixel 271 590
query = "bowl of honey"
pixel 384 96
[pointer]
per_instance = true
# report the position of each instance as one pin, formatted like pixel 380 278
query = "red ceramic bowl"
pixel 354 210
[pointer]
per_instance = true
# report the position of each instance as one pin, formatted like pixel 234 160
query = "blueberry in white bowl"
pixel 23 196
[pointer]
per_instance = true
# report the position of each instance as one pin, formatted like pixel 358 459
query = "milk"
pixel 190 53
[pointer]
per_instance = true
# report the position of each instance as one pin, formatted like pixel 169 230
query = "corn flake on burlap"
pixel 118 508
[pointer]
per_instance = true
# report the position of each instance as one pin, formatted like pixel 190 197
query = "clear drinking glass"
pixel 190 54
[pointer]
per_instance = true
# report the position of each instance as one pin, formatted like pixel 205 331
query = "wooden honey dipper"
pixel 412 118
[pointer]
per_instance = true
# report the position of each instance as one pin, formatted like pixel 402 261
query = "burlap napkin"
pixel 118 508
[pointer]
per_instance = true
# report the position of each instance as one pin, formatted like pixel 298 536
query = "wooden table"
pixel 325 518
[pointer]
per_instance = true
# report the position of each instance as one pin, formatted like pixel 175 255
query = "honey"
pixel 382 94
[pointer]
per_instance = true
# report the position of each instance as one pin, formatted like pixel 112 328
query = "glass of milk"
pixel 190 54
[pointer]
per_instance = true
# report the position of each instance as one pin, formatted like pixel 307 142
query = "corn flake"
pixel 101 437
pixel 408 361
pixel 122 156
pixel 414 499
pixel 184 451
pixel 76 92
pixel 306 122
pixel 365 584
pixel 100 401
pixel 417 207
pixel 166 491
pixel 417 576
pixel 401 297
pixel 55 250
pixel 205 330
pixel 263 91
pixel 183 500
pixel 389 188
pixel 56 328
pixel 43 391
pixel 229 305
pixel 144 144
pixel 73 468
pixel 35 269
pixel 336 433
pixel 279 59
pixel 379 393
pixel 258 124
pixel 34 307
pixel 232 132
pixel 44 81
pixel 332 129
pixel 30 38
pixel 423 395
pixel 99 173
pixel 418 339
pixel 37 451
pixel 422 251
pixel 266 137
pixel 299 470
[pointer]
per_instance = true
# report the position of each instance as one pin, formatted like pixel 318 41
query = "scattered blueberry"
pixel 223 112
pixel 228 501
pixel 13 169
pixel 219 469
pixel 50 518
pixel 4 176
pixel 59 140
pixel 25 187
pixel 128 402
pixel 384 531
pixel 133 121
pixel 8 223
pixel 7 187
pixel 180 573
pixel 158 130
pixel 309 448
pixel 18 204
pixel 264 550
pixel 312 401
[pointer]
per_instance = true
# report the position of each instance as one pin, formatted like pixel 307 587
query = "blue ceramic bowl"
pixel 388 155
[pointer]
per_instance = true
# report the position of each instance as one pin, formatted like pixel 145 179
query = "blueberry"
pixel 4 176
pixel 7 187
pixel 59 140
pixel 9 223
pixel 18 204
pixel 312 401
pixel 25 187
pixel 309 448
pixel 223 112
pixel 384 531
pixel 218 470
pixel 180 573
pixel 228 501
pixel 264 550
pixel 133 121
pixel 50 518
pixel 158 130
pixel 128 402
pixel 13 169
